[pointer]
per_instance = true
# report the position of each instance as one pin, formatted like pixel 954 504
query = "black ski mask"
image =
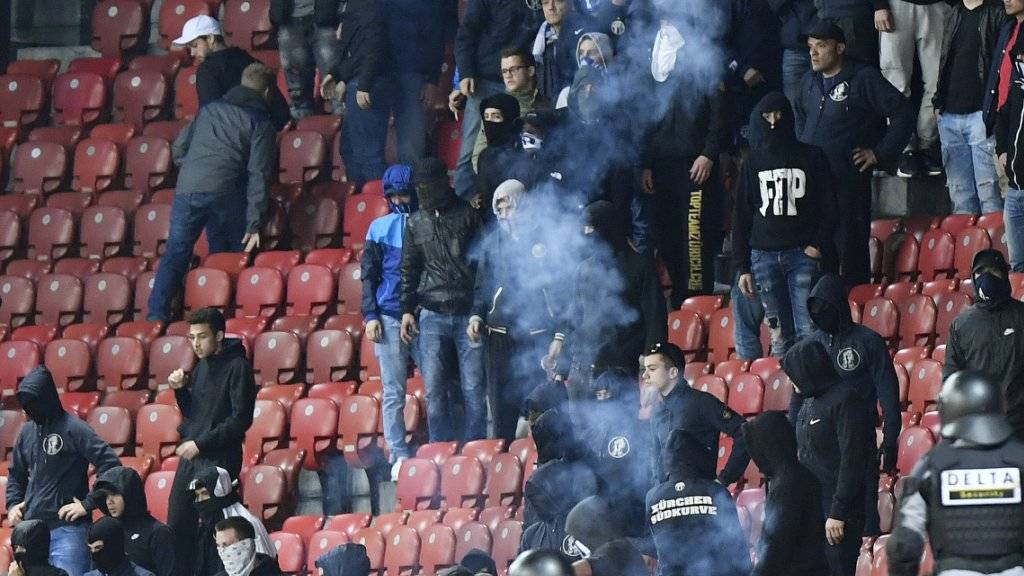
pixel 34 537
pixel 109 558
pixel 506 131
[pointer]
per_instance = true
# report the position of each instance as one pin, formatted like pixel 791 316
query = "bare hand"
pixel 15 569
pixel 864 159
pixel 374 331
pixel 701 170
pixel 473 330
pixel 812 252
pixel 477 201
pixel 72 512
pixel 409 329
pixel 883 20
pixel 834 531
pixel 746 284
pixel 647 181
pixel 16 513
pixel 363 100
pixel 548 362
pixel 188 450
pixel 251 241
pixel 467 86
pixel 456 102
pixel 753 77
pixel 1002 160
pixel 176 379
pixel 327 85
pixel 427 94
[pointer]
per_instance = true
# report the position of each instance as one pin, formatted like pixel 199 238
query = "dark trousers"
pixel 223 217
pixel 687 226
pixel 842 557
pixel 304 48
pixel 365 135
pixel 853 230
pixel 183 520
pixel 513 371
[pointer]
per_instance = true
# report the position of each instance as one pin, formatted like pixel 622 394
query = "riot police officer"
pixel 965 495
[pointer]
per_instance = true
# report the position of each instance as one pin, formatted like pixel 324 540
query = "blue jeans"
pixel 970 169
pixel 223 216
pixel 1013 219
pixel 393 356
pixel 410 118
pixel 305 47
pixel 465 178
pixel 69 549
pixel 784 279
pixel 440 335
pixel 795 63
pixel 747 316
pixel 365 134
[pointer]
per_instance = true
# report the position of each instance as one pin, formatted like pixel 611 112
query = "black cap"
pixel 543 118
pixel 429 170
pixel 824 31
pixel 670 351
pixel 990 258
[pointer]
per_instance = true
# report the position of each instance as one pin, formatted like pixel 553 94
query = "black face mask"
pixel 32 409
pixel 111 556
pixel 500 132
pixel 826 318
pixel 209 508
pixel 108 559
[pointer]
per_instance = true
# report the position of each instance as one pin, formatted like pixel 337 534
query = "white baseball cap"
pixel 199 26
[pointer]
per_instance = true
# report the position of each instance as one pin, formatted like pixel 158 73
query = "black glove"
pixel 889 461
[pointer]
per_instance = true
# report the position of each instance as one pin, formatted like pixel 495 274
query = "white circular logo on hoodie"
pixel 53 444
pixel 848 359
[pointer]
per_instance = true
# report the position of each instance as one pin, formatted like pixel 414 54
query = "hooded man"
pixel 783 221
pixel 517 289
pixel 833 429
pixel 501 127
pixel 30 542
pixel 106 545
pixel 559 483
pixel 215 499
pixel 693 519
pixel 344 560
pixel 479 562
pixel 236 546
pixel 861 359
pixel 599 536
pixel 149 543
pixel 436 300
pixel 48 477
pixel 382 280
pixel 792 543
pixel 988 338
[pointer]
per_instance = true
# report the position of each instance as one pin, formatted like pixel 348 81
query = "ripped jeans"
pixel 967 155
pixel 784 279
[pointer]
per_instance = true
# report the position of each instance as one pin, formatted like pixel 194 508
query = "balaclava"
pixel 112 555
pixel 667 44
pixel 35 537
pixel 398 180
pixel 431 178
pixel 513 192
pixel 505 132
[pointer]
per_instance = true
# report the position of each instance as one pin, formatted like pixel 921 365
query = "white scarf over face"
pixel 666 46
pixel 239 559
pixel 264 545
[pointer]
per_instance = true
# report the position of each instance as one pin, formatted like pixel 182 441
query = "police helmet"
pixel 540 563
pixel 972 408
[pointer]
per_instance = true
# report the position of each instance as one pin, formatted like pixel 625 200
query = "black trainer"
pixel 909 165
pixel 931 163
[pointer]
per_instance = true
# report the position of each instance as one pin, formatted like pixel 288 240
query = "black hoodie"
pixel 218 406
pixel 148 542
pixel 693 518
pixel 35 537
pixel 784 199
pixel 49 467
pixel 222 70
pixel 832 429
pixel 792 541
pixel 345 560
pixel 496 160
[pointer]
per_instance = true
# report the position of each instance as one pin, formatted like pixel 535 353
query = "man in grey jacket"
pixel 227 156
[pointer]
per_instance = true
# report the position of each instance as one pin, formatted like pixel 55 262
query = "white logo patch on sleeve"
pixel 980 487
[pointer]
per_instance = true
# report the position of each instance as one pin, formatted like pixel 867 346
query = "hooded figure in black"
pixel 51 457
pixel 598 533
pixel 618 310
pixel 215 499
pixel 31 544
pixel 558 484
pixel 693 518
pixel 493 166
pixel 106 544
pixel 833 430
pixel 119 493
pixel 783 220
pixel 988 336
pixel 344 560
pixel 792 542
pixel 861 359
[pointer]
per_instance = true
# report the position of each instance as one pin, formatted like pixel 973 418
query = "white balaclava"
pixel 666 46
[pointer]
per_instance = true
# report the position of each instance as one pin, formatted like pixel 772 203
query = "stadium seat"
pixel 260 292
pixel 174 14
pixel 917 321
pixel 102 232
pixel 936 259
pixel 291 552
pixel 932 422
pixel 506 540
pixel 73 202
pixel 117 26
pixel 448 142
pixel 266 495
pixel 282 260
pixel 472 536
pixel 80 404
pixel 360 211
pixel 22 101
pixel 70 363
pixel 165 129
pixel 437 452
pixel 20 204
pixel 11 422
pixel 158 493
pixel 373 541
pixel 900 291
pixel 956 223
pixel 51 233
pixel 730 368
pixel 147 163
pixel 303 156
pixel 437 549
pixel 908 356
pixel 882 228
pixel 120 364
pixel 746 394
pixel 31 270
pixel 140 97
pixel 247 24
pixel 79 99
pixel 313 427
pixel 315 223
pixel 108 299
pixel 186 98
pixel 39 168
pixel 714 385
pixel 504 486
pixel 45 69
pixel 686 330
pixel 126 200
pixel 358 430
pixel 143 288
pixel 38 335
pixel 402 551
pixel 113 425
pixel 494 515
pixel 385 523
pixel 151 227
pixel 156 431
pixel 267 432
pixel 936 288
pixel 230 262
pixel 483 450
pixel 349 523
pixel 914 442
pixel 462 482
pixel 207 288
pixel 886 510
pixel 704 305
pixel 277 358
pixel 882 316
pixel 969 241
pixel 310 290
pixel 329 356
pixel 131 400
pixel 17 298
pixel 321 543
pixel 91 334
pixel 167 64
pixel 456 518
pixel 721 344
pixel 58 300
pixel 167 354
pixel 303 526
pixel 10 235
pixel 290 461
pixel 777 392
pixel 925 383
pixel 418 484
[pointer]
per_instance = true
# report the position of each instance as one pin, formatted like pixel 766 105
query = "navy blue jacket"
pixel 988 106
pixel 488 27
pixel 381 267
pixel 416 32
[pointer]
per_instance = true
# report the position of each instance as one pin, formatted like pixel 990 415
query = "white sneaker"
pixel 396 468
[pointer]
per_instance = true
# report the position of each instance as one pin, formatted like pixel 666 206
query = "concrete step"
pixel 892 196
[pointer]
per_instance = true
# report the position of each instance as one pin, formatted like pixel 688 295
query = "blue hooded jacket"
pixel 382 252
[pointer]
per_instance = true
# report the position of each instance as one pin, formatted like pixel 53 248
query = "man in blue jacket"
pixel 48 478
pixel 382 280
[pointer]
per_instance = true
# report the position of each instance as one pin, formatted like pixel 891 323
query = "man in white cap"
pixel 221 66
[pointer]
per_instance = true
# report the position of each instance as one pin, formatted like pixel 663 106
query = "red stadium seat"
pixel 142 330
pixel 936 260
pixel 302 157
pixel 314 425
pixel 949 306
pixel 38 335
pixel 704 306
pixel 158 493
pixel 20 204
pixel 277 358
pixel 350 287
pixel 360 211
pixel 73 202
pixel 247 24
pixel 151 228
pixel 267 431
pixel 70 362
pixel 11 422
pixel 969 241
pixel 882 316
pixel 504 481
pixel 462 482
pixel 884 227
pixel 310 290
pixel 66 136
pixel 908 356
pixel 186 98
pixel 385 523
pixel 51 233
pixel 506 544
pixel 45 69
pixel 437 452
pixel 91 334
pixel 266 494
pixel 260 292
pixel 174 14
pixel 914 442
pixel 10 234
pixel 900 291
pixel 108 299
pixel 80 404
pixel 143 287
pixel 31 270
pixel 140 96
pixel 329 356
pixel 358 430
pixel 328 125
pixel 156 431
pixel 22 100
pixel 448 142
pixel 437 549
pixel 290 461
pixel 79 99
pixel 730 368
pixel 315 223
pixel 165 129
pixel 17 299
pixel 303 526
pixel 686 330
pixel 321 543
pixel 118 26
pixel 956 223
pixel 746 394
pixel 103 232
pixel 494 515
pixel 402 551
pixel 113 425
pixel 936 288
pixel 58 300
pixel 147 163
pixel 39 168
pixel 472 536
pixel 126 200
pixel 333 258
pixel 721 344
pixel 917 321
pixel 925 383
pixel 348 523
pixel 483 450
pixel 230 262
pixel 207 288
pixel 714 385
pixel 131 400
pixel 167 354
pixel 373 541
pixel 167 64
pixel 418 484
pixel 777 392
pixel 283 261
pixel 120 364
pixel 291 552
